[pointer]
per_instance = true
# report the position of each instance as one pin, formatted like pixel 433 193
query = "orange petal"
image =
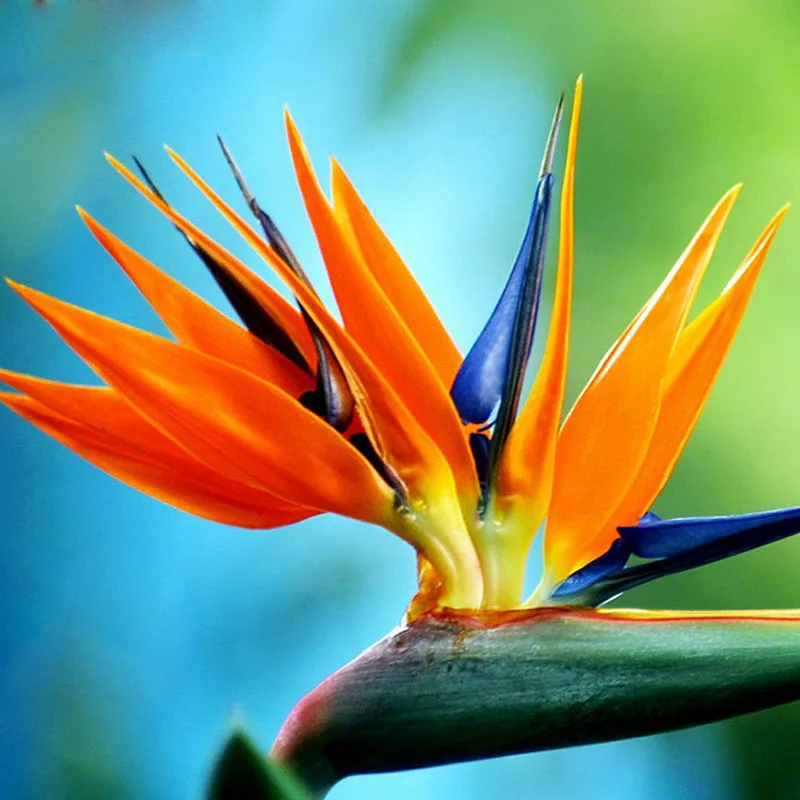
pixel 288 317
pixel 394 278
pixel 442 416
pixel 394 430
pixel 605 437
pixel 525 476
pixel 389 424
pixel 403 445
pixel 234 422
pixel 400 441
pixel 694 367
pixel 197 324
pixel 374 323
pixel 175 479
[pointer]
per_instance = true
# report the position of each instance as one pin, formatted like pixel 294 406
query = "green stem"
pixel 460 687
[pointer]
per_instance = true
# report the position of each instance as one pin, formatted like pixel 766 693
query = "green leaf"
pixel 454 688
pixel 242 773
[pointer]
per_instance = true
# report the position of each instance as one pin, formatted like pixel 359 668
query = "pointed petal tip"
pixel 87 218
pixel 552 139
pixel 288 119
pixel 780 214
pixel 734 191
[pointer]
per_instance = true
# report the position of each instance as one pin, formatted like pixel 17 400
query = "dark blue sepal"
pixel 673 537
pixel 611 562
pixel 479 445
pixel 678 545
pixel 479 383
pixel 648 517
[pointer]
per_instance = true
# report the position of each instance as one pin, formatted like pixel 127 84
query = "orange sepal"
pixel 394 431
pixel 288 317
pixel 525 475
pixel 196 323
pixel 693 369
pixel 605 437
pixel 394 278
pixel 103 429
pixel 370 319
pixel 235 423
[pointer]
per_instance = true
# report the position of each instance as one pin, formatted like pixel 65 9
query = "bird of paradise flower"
pixel 381 419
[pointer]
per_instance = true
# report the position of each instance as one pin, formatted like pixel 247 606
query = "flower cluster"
pixel 380 418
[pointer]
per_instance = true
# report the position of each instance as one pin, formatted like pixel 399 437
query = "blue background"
pixel 133 635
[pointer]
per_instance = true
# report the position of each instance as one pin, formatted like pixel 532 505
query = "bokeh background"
pixel 132 636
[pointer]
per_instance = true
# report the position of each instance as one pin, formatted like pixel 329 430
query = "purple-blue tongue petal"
pixel 611 562
pixel 503 346
pixel 675 545
pixel 673 537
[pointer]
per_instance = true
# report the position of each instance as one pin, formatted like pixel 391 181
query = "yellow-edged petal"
pixel 605 437
pixel 694 367
pixel 400 361
pixel 525 475
pixel 385 418
pixel 398 438
pixel 197 324
pixel 394 278
pixel 236 423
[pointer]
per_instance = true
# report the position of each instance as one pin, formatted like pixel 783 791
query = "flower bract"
pixel 291 412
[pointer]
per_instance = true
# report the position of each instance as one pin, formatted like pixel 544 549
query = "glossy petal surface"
pixel 218 413
pixel 605 438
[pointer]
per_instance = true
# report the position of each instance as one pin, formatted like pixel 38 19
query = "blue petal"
pixel 677 545
pixel 668 538
pixel 611 562
pixel 648 517
pixel 479 383
pixel 479 446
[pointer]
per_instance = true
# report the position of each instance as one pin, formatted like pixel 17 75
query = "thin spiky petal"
pixel 605 438
pixel 101 426
pixel 393 429
pixel 525 476
pixel 258 290
pixel 394 277
pixel 408 453
pixel 236 423
pixel 331 398
pixel 693 369
pixel 373 322
pixel 197 324
pixel 258 318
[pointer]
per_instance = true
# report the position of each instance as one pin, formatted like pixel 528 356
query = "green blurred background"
pixel 133 634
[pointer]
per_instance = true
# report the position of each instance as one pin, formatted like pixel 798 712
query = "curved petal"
pixel 381 333
pixel 395 278
pixel 177 479
pixel 236 423
pixel 397 437
pixel 197 324
pixel 388 422
pixel 605 437
pixel 692 370
pixel 525 475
